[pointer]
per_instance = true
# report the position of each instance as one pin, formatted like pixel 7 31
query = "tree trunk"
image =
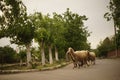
pixel 50 55
pixel 116 51
pixel 21 62
pixel 42 53
pixel 28 55
pixel 56 54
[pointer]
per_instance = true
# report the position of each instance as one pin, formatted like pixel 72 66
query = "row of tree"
pixel 57 32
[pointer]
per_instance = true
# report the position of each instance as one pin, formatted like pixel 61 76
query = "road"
pixel 105 69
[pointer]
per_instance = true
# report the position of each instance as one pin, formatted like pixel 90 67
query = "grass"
pixel 14 67
pixel 34 66
pixel 50 65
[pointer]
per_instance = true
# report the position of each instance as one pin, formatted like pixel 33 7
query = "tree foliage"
pixel 76 33
pixel 105 46
pixel 7 55
pixel 59 31
pixel 16 24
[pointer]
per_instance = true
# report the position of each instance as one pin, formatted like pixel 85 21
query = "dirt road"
pixel 105 69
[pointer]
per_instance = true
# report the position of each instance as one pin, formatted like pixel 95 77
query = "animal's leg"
pixel 75 65
pixel 94 62
pixel 82 63
pixel 79 64
pixel 86 63
pixel 90 62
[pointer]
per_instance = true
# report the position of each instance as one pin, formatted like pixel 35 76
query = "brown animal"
pixel 92 57
pixel 70 54
pixel 79 58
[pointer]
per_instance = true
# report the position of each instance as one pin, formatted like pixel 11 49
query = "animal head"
pixel 70 50
pixel 69 53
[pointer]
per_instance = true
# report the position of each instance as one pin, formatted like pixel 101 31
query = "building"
pixel 113 53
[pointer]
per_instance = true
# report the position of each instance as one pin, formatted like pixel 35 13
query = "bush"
pixel 7 55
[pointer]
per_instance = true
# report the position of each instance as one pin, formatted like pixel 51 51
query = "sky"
pixel 93 9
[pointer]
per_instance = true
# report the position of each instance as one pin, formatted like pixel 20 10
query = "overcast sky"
pixel 93 9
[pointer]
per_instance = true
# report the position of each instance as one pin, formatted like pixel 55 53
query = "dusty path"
pixel 105 69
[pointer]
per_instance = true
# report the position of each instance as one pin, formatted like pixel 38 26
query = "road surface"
pixel 105 69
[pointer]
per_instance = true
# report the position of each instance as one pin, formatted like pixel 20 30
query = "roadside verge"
pixel 34 70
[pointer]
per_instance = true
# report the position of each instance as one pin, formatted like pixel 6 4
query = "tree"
pixel 2 30
pixel 75 34
pixel 40 32
pixel 22 56
pixel 17 25
pixel 105 46
pixel 50 30
pixel 7 55
pixel 59 41
pixel 55 31
pixel 114 7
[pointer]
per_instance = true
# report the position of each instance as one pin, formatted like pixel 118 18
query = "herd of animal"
pixel 80 58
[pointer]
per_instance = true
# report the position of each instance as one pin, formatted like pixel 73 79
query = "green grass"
pixel 14 67
pixel 34 66
pixel 50 65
